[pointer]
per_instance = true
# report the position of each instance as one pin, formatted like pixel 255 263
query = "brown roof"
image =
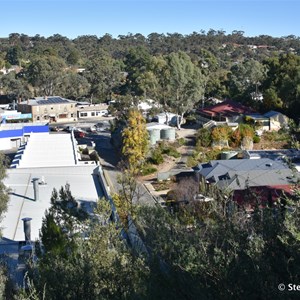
pixel 226 108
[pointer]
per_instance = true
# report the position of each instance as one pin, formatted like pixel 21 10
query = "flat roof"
pixel 48 150
pixel 84 186
pixel 47 101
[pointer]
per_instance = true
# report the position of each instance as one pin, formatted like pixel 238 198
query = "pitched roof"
pixel 272 113
pixel 239 173
pixel 226 108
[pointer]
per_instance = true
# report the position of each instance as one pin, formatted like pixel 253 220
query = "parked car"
pixel 79 134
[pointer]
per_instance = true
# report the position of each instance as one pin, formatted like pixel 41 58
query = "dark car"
pixel 79 134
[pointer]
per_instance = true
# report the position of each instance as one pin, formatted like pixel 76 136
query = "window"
pixel 72 115
pixel 83 114
pixel 93 114
pixel 38 118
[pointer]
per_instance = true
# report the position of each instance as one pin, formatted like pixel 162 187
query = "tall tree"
pixel 185 83
pixel 245 78
pixel 14 87
pixel 99 266
pixel 14 55
pixel 137 63
pixel 135 141
pixel 74 85
pixel 104 75
pixel 45 74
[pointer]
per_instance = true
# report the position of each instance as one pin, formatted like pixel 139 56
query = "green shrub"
pixel 203 137
pixel 191 161
pixel 156 157
pixel 171 151
pixel 148 169
pixel 181 141
pixel 256 139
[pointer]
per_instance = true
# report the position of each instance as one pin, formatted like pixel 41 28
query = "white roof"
pixel 84 185
pixel 155 125
pixel 48 150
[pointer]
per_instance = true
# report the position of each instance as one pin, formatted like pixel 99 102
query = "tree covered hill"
pixel 231 66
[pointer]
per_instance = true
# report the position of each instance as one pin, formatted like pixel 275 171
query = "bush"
pixel 181 141
pixel 148 169
pixel 256 139
pixel 169 150
pixel 156 157
pixel 203 137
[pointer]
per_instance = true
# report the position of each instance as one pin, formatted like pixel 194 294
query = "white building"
pixel 51 161
pixel 92 111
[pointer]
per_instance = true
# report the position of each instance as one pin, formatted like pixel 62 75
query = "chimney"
pixel 36 189
pixel 27 229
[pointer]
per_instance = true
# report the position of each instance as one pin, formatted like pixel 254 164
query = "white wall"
pixel 5 144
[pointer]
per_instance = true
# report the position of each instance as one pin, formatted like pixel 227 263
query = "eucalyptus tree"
pixel 74 85
pixel 104 74
pixel 137 63
pixel 15 87
pixel 185 83
pixel 245 78
pixel 45 74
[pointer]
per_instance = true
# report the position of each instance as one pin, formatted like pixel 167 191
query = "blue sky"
pixel 72 18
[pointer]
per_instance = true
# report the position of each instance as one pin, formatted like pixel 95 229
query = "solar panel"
pixel 52 100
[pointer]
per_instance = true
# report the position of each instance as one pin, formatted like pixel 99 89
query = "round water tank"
pixel 154 136
pixel 167 134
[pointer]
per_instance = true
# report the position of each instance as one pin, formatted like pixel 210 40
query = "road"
pixel 109 161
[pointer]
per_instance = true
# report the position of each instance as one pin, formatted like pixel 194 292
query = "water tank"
pixel 228 154
pixel 154 136
pixel 167 134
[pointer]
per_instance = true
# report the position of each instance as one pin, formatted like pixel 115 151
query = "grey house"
pixel 239 174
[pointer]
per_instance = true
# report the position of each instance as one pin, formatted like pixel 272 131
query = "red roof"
pixel 263 194
pixel 226 108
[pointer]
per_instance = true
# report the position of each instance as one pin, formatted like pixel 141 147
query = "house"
pixel 227 112
pixel 91 110
pixel 277 120
pixel 240 175
pixel 49 109
pixel 165 118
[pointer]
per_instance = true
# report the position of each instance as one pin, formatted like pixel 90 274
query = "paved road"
pixel 109 161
